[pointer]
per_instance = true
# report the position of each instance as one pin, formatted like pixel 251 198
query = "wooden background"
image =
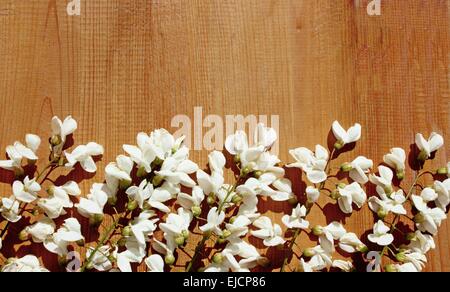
pixel 126 66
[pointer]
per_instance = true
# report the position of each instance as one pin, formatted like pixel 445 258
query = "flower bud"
pixel 169 259
pixel 245 171
pixel 124 184
pixel 158 161
pixel 400 257
pixel 232 219
pixel 179 240
pixel 51 191
pixel 236 199
pixel 338 145
pixel 257 174
pixel 226 233
pixel 122 242
pixel 196 211
pixel 442 171
pixel 400 174
pixel 308 252
pixel 388 190
pixel 217 258
pixel 220 240
pixel 382 213
pixel 293 201
pixel 410 236
pixel 24 235
pixel 126 231
pixel 419 218
pixel 141 172
pixel 185 234
pixel 96 219
pixel 157 180
pixel 390 268
pixel 346 167
pixel 341 186
pixel 362 248
pixel 317 230
pixel 132 205
pixel 237 158
pixel 211 200
pixel 55 140
pixel 423 156
pixel 335 194
pixel 80 242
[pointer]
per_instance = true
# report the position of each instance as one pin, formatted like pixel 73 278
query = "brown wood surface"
pixel 126 66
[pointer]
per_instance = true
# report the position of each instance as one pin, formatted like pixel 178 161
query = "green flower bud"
pixel 24 235
pixel 257 174
pixel 124 184
pixel 51 191
pixel 293 201
pixel 185 234
pixel 220 240
pixel 236 199
pixel 317 230
pixel 126 231
pixel 400 257
pixel 341 186
pixel 362 248
pixel 158 161
pixel 122 242
pixel 157 180
pixel 179 240
pixel 308 252
pixel 346 167
pixel 196 211
pixel 422 157
pixel 442 171
pixel 211 200
pixel 335 194
pixel 419 218
pixel 388 190
pixel 169 259
pixel 132 205
pixel 245 171
pixel 232 219
pixel 141 172
pixel 411 236
pixel 382 213
pixel 55 140
pixel 226 233
pixel 400 174
pixel 390 268
pixel 338 145
pixel 237 158
pixel 81 242
pixel 217 258
pixel 96 219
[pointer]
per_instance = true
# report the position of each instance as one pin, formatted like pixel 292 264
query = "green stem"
pixel 222 204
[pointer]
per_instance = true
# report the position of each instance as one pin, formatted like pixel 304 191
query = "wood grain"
pixel 126 66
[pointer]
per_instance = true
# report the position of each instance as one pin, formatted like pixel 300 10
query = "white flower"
pixel 381 235
pixel 83 154
pixel 320 260
pixel 145 193
pixel 166 249
pixel 406 268
pixel 428 219
pixel 101 259
pixel 418 259
pixel 330 233
pixel 214 221
pixel 134 253
pixel 270 233
pixel 427 147
pixel 216 161
pixel 264 136
pixel 188 202
pixel 28 263
pixel 344 137
pixel 312 194
pixel 210 184
pixel 52 206
pixel 350 194
pixel 69 232
pixel 176 225
pixel 176 171
pixel 155 263
pixel 119 171
pixel 143 154
pixel 41 230
pixel 236 143
pixel 350 243
pixel 142 226
pixel 360 167
pixel 17 152
pixel 344 266
pixel 238 228
pixel 388 203
pixel 312 163
pixel 396 159
pixel 27 191
pixel 10 209
pixel 443 194
pixel 62 193
pixel 60 131
pixel 296 220
pixel 421 243
pixel 94 203
pixel 305 267
pixel 384 180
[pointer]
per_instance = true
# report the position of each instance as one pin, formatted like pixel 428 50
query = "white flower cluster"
pixel 160 203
